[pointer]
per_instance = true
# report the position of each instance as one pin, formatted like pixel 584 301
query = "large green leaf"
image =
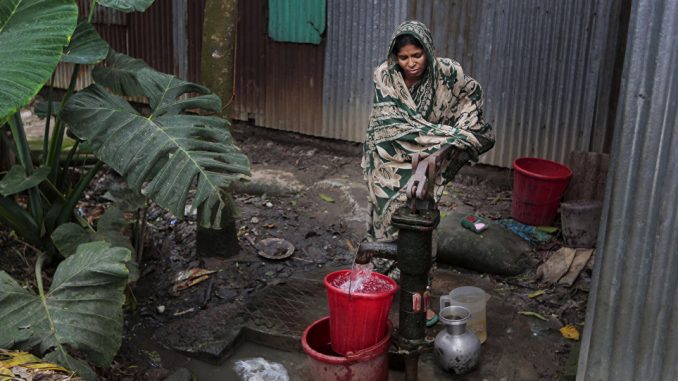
pixel 127 5
pixel 124 198
pixel 82 310
pixel 16 181
pixel 33 34
pixel 110 228
pixel 166 152
pixel 19 220
pixel 86 46
pixel 120 74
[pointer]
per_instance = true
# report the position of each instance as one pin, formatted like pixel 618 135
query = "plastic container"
pixel 538 186
pixel 580 220
pixel 475 300
pixel 357 320
pixel 369 364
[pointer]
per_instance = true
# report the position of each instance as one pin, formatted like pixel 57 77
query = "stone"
pixel 270 182
pixel 209 334
pixel 495 251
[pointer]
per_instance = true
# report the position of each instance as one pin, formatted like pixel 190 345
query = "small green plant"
pixel 162 154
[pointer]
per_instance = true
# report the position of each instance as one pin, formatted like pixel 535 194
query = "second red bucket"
pixel 538 186
pixel 357 320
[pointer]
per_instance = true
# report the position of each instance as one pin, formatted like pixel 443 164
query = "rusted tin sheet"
pixel 632 315
pixel 278 85
pixel 150 36
pixel 358 35
pixel 540 65
pixel 196 10
pixel 63 72
pixel 168 30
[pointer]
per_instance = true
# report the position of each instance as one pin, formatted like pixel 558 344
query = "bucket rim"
pixel 381 295
pixel 369 353
pixel 517 167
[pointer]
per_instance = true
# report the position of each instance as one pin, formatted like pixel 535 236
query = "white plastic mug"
pixel 475 300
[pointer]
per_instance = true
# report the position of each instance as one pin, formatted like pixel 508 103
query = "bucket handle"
pixel 361 354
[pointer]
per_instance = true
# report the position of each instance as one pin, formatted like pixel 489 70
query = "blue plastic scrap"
pixel 527 232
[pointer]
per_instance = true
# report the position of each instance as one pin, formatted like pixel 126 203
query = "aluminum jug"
pixel 456 349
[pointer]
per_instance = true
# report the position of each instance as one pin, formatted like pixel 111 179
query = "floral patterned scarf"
pixel 443 108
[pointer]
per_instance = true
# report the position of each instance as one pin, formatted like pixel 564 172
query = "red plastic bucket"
pixel 538 186
pixel 357 320
pixel 369 364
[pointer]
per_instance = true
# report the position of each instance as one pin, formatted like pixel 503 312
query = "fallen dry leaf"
pixel 570 332
pixel 533 314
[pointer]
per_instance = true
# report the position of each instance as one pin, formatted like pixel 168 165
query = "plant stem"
pixel 139 239
pixel 91 11
pixel 67 164
pixel 58 136
pixel 57 139
pixel 24 155
pixel 22 151
pixel 43 299
pixel 45 137
pixel 74 197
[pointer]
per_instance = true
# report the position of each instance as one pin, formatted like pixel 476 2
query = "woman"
pixel 421 104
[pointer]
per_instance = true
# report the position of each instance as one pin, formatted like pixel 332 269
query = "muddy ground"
pixel 318 206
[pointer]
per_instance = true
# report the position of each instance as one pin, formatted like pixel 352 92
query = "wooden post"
pixel 216 72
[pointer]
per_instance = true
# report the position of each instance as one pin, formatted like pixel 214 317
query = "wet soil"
pixel 320 211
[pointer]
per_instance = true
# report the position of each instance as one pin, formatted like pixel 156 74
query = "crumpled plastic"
pixel 258 369
pixel 529 233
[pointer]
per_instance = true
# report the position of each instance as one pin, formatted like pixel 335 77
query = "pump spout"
pixel 368 250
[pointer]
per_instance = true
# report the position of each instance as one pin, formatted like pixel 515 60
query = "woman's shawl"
pixel 443 108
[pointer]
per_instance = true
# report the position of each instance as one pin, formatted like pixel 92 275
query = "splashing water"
pixel 359 275
pixel 361 281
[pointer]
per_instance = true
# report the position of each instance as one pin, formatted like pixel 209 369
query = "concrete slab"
pixel 518 347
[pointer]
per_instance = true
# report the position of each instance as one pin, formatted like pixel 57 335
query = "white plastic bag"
pixel 258 369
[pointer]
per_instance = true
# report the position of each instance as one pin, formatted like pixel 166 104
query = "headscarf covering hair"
pixel 442 108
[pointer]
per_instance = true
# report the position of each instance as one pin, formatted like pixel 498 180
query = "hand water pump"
pixel 412 253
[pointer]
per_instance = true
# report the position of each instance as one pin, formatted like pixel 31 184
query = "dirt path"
pixel 310 193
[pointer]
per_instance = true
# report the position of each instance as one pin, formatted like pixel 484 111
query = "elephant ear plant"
pixel 164 153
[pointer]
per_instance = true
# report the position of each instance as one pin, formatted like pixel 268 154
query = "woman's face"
pixel 413 62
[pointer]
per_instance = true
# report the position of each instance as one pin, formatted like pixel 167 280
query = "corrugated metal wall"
pixel 166 31
pixel 277 84
pixel 539 62
pixel 631 330
pixel 358 34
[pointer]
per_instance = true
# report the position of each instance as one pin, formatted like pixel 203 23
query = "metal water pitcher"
pixel 456 349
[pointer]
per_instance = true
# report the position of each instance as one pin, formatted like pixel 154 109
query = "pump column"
pixel 415 242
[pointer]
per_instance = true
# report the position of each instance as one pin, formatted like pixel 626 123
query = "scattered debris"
pixel 326 198
pixel 274 248
pixel 581 258
pixel 564 266
pixel 533 314
pixel 257 369
pixel 160 309
pixel 25 366
pixel 189 278
pixel 184 312
pixel 474 224
pixel 570 332
pixel 536 294
pixel 556 266
pixel 528 233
